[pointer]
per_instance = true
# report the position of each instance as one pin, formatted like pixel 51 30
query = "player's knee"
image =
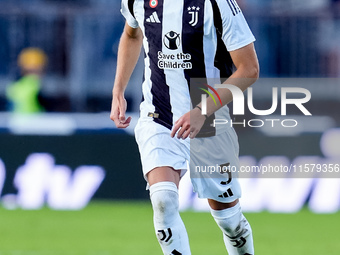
pixel 229 226
pixel 232 222
pixel 164 199
pixel 236 229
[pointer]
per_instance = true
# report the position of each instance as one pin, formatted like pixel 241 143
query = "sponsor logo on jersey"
pixel 153 3
pixel 172 40
pixel 194 12
pixel 177 60
pixel 153 18
pixel 174 61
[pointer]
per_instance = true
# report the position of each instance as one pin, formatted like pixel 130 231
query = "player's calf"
pixel 237 233
pixel 169 227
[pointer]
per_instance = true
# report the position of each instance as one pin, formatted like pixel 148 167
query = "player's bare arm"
pixel 247 72
pixel 128 54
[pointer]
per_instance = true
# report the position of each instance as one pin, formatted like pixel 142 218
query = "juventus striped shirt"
pixel 183 40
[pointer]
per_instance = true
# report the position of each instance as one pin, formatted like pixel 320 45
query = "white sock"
pixel 170 230
pixel 237 233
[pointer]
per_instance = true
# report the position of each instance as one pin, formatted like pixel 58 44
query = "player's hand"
pixel 188 125
pixel 118 110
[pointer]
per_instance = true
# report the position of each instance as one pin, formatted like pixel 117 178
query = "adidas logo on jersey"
pixel 153 18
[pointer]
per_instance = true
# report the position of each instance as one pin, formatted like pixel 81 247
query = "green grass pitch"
pixel 125 228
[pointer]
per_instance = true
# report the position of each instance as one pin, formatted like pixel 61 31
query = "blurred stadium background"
pixel 70 183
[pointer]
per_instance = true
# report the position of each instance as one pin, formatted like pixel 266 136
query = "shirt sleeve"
pixel 236 32
pixel 131 21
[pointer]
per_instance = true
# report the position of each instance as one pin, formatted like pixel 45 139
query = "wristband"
pixel 201 111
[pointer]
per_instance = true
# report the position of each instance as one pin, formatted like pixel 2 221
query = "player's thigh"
pixel 163 174
pixel 160 153
pixel 216 205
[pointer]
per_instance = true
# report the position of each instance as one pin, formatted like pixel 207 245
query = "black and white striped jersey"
pixel 185 39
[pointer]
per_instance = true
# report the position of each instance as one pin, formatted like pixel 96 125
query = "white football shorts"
pixel 211 160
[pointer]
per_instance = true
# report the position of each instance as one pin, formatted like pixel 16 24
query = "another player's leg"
pixel 237 233
pixel 169 227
